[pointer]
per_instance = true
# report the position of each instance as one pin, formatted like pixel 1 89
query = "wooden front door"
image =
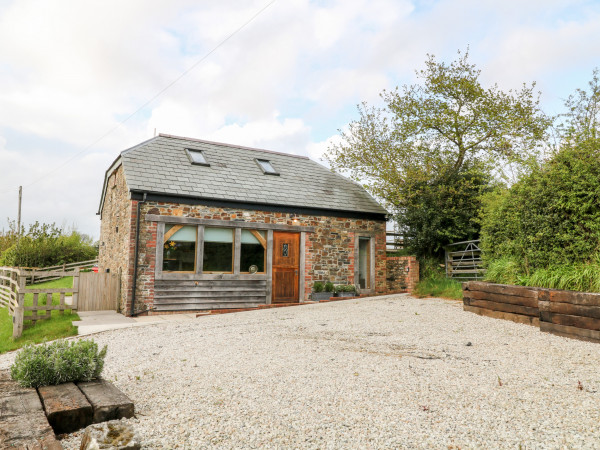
pixel 286 266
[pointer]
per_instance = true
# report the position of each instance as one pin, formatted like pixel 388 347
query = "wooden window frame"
pixel 265 246
pixel 235 254
pixel 164 239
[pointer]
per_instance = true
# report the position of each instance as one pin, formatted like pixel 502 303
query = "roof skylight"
pixel 266 167
pixel 197 157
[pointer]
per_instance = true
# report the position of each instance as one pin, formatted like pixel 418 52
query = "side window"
pixel 218 250
pixel 179 248
pixel 364 262
pixel 253 251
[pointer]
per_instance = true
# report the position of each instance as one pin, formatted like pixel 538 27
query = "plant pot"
pixel 346 294
pixel 319 296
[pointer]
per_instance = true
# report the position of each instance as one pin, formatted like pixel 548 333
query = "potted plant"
pixel 322 291
pixel 345 290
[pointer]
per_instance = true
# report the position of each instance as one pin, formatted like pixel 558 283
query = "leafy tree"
pixel 419 149
pixel 582 119
pixel 443 210
pixel 9 238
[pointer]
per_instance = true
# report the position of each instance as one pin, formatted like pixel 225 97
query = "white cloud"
pixel 287 135
pixel 317 150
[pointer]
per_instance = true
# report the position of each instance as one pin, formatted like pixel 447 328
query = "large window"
pixel 253 251
pixel 218 250
pixel 179 248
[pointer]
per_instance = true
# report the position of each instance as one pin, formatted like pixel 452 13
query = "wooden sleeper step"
pixel 108 402
pixel 70 407
pixel 66 407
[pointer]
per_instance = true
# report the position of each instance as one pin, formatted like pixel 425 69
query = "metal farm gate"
pixel 463 261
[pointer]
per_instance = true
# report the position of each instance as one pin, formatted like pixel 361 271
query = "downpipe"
pixel 136 254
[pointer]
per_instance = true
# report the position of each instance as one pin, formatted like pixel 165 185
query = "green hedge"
pixel 45 245
pixel 546 223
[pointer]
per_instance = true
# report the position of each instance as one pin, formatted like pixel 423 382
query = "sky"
pixel 81 81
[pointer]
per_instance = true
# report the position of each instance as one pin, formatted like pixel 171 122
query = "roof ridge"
pixel 203 141
pixel 127 150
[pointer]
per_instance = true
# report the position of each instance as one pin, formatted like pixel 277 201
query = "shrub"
pixel 547 221
pixel 318 286
pixel 329 287
pixel 431 268
pixel 45 245
pixel 345 288
pixel 58 362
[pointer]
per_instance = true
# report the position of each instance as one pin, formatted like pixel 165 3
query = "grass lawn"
pixel 439 287
pixel 58 326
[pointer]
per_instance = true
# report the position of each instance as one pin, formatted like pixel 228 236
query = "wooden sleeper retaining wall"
pixel 564 313
pixel 570 314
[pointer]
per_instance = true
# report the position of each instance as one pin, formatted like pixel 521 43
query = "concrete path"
pixel 97 321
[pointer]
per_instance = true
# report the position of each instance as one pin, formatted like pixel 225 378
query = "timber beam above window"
pixel 226 223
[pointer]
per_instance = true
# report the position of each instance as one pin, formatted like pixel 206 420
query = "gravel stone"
pixel 383 372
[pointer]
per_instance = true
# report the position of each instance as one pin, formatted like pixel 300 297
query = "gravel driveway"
pixel 384 372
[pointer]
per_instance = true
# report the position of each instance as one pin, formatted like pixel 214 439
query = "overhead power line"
pixel 150 100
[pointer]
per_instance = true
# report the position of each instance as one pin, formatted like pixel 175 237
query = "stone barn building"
pixel 194 225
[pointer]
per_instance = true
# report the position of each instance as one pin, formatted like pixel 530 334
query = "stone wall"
pixel 329 250
pixel 402 273
pixel 117 230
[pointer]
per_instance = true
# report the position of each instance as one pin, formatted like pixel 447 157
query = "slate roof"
pixel 161 165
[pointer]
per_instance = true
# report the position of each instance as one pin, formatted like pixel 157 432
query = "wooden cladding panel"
pixel 176 295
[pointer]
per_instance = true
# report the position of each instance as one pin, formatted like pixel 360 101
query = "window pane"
pixel 266 165
pixel 218 250
pixel 197 156
pixel 183 234
pixel 179 250
pixel 218 235
pixel 364 265
pixel 253 250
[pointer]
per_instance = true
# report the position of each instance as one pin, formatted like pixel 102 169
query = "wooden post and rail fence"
pixel 43 273
pixel 90 292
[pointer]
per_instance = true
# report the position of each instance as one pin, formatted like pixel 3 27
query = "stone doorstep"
pixel 70 407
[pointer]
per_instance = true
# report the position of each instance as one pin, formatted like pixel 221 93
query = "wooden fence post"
pixel 75 300
pixel 20 309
